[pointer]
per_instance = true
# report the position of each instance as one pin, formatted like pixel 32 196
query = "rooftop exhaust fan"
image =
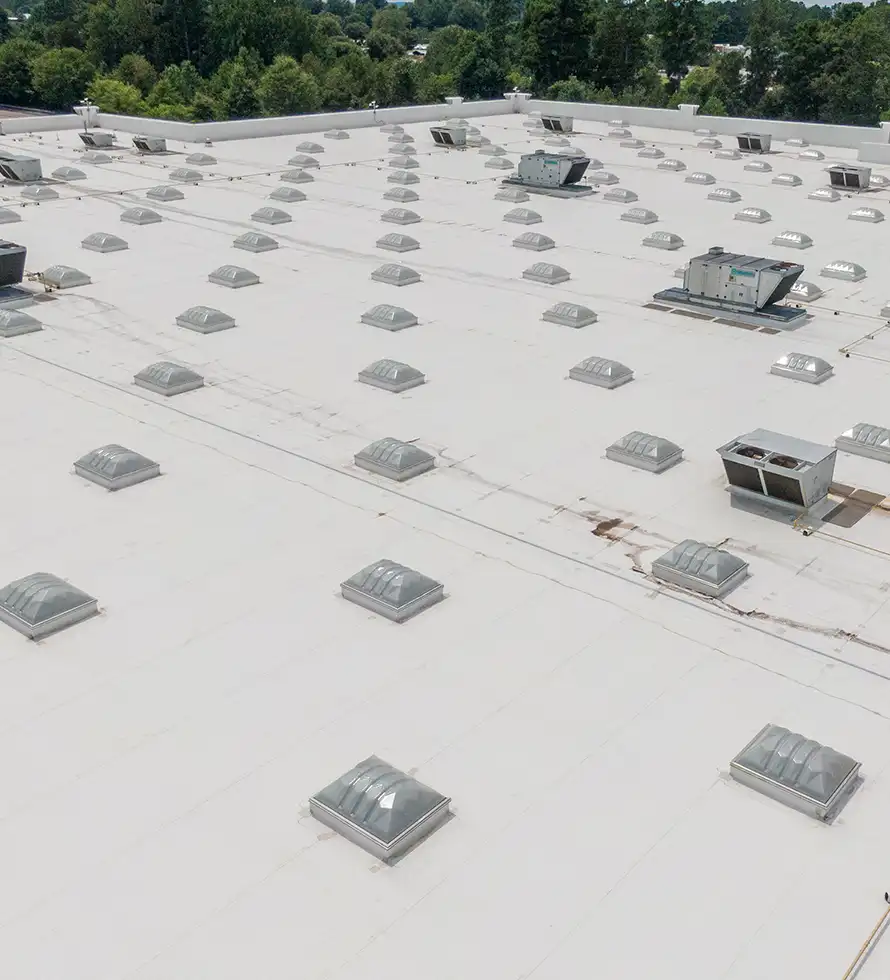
pixel 557 124
pixel 449 135
pixel 849 176
pixel 555 174
pixel 754 142
pixel 148 144
pixel 97 141
pixel 20 169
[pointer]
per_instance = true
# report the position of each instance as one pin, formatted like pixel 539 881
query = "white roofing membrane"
pixel 157 760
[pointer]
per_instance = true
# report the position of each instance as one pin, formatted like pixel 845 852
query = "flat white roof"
pixel 156 761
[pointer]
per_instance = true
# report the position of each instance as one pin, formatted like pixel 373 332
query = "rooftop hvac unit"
pixel 12 263
pixel 449 135
pixel 754 142
pixel 743 285
pixel 849 177
pixel 555 174
pixel 21 169
pixel 778 469
pixel 97 141
pixel 557 124
pixel 150 144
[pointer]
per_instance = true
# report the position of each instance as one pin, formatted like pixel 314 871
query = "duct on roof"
pixel 395 275
pixel 383 810
pixel 64 277
pixel 872 215
pixel 701 568
pixel 828 195
pixel 69 173
pixel 533 241
pixel 699 177
pixel 205 319
pixel 394 459
pixel 569 315
pixel 114 467
pixel 296 177
pixel 811 155
pixel 254 241
pixel 395 242
pixel 602 372
pixel 490 150
pixel 848 271
pixel 93 156
pixel 793 239
pixel 389 317
pixel 271 216
pixel 8 217
pixel 787 180
pixel 522 216
pixel 646 452
pixel 863 439
pixel 15 323
pixel 140 216
pixel 546 273
pixel 603 177
pixel 400 216
pixel 392 590
pixel 336 134
pixel 709 143
pixel 39 194
pixel 402 194
pixel 100 241
pixel 403 163
pixel 802 367
pixel 651 153
pixel 759 166
pixel 287 195
pixel 631 144
pixel 307 146
pixel 663 239
pixel 514 195
pixel 402 177
pixel 303 162
pixel 41 604
pixel 233 277
pixel 640 216
pixel 391 375
pixel 620 133
pixel 757 216
pixel 672 164
pixel 201 159
pixel 168 379
pixel 726 194
pixel 499 163
pixel 796 771
pixel 728 155
pixel 805 292
pixel 620 195
pixel 186 175
pixel 164 193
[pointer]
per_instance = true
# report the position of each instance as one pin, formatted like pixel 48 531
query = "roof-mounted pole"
pixel 868 944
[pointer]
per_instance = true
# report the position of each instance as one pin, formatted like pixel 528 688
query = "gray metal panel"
pixel 115 467
pixel 40 604
pixel 863 439
pixel 394 459
pixel 602 372
pixel 391 375
pixel 701 568
pixel 645 451
pixel 392 590
pixel 15 323
pixel 776 442
pixel 166 378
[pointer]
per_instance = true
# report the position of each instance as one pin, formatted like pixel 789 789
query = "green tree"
pixel 481 75
pixel 241 100
pixel 447 50
pixel 571 89
pixel 136 70
pixel 60 76
pixel 181 32
pixel 678 26
pixel 15 71
pixel 619 43
pixel 394 21
pixel 5 29
pixel 112 95
pixel 468 14
pixel 177 85
pixel 381 45
pixel 205 108
pixel 763 42
pixel 432 14
pixel 286 89
pixel 556 40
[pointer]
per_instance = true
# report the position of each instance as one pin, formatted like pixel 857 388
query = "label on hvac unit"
pixel 741 272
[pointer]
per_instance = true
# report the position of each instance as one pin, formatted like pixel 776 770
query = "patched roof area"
pixel 251 644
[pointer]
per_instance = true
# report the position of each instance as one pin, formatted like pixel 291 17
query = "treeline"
pixel 220 59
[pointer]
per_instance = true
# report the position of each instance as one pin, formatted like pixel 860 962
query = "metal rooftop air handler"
pixel 557 124
pixel 150 144
pixel 849 177
pixel 20 169
pixel 97 141
pixel 449 135
pixel 554 174
pixel 740 287
pixel 754 142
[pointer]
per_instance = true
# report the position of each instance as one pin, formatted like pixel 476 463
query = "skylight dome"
pixel 389 317
pixel 547 273
pixel 499 163
pixel 793 239
pixel 595 164
pixel 16 323
pixel 205 319
pixel 114 467
pixel 296 177
pixel 725 194
pixel 797 141
pixel 401 137
pixel 394 459
pixel 39 194
pixel 403 163
pixel 407 150
pixel 569 315
pixel 396 242
pixel 709 143
pixel 618 123
pixel 382 810
pixel 620 195
pixel 200 159
pixel 828 195
pixel 404 195
pixel 8 217
pixel 307 146
pixel 395 275
pixel 391 375
pixel 95 157
pixel 811 155
pixel 632 143
pixel 403 177
pixel 700 177
pixel 701 568
pixel 556 141
pixel 271 216
pixel 879 180
pixel 303 161
pixel 522 216
pixel 787 180
pixel 186 175
pixel 646 452
pixel 604 177
pixel 514 195
pixel 672 164
pixel 728 155
pixel 492 151
pixel 287 195
pixel 400 216
pixel 848 271
pixel 392 128
pixel 233 277
pixel 620 133
pixel 664 239
pixel 164 193
pixel 602 372
pixel 757 216
pixel 863 439
pixel 872 215
pixel 39 605
pixel 758 166
pixel 140 216
pixel 69 173
pixel 64 277
pixel 805 292
pixel 336 134
pixel 100 241
pixel 392 590
pixel 533 241
pixel 640 216
pixel 168 379
pixel 651 153
pixel 254 241
pixel 802 367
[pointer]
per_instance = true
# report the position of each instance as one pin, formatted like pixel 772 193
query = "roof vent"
pixel 271 216
pixel 296 177
pixel 872 215
pixel 811 155
pixel 499 163
pixel 651 153
pixel 756 216
pixel 186 175
pixel 167 378
pixel 699 177
pixel 140 216
pixel 603 177
pixel 852 177
pixel 754 142
pixel 41 604
pixel 569 315
pixel 254 241
pixel 533 241
pixel 96 139
pixel 101 241
pixel 64 277
pixel 726 194
pixel 150 144
pixel 556 141
pixel 620 133
pixel 8 217
pixel 793 239
pixel 395 275
pixel 727 155
pixel 558 124
pixel 759 166
pixel 69 173
pixel 621 195
pixel 391 376
pixel 404 163
pixel 233 277
pixel 632 144
pixel 403 151
pixel 709 143
pixel 392 590
pixel 164 193
pixel 303 161
pixel 522 216
pixel 401 137
pixel 395 242
pixel 39 194
pixel 546 273
pixel 802 367
pixel 402 177
pixel 640 216
pixel 309 147
pixel 400 216
pixel 201 160
pixel 205 319
pixel 394 459
pixel 602 372
pixel 336 134
pixel 796 771
pixel 787 180
pixel 805 292
pixel 15 323
pixel 826 194
pixel 287 195
pixel 797 141
pixel 95 157
pixel 389 317
pixel 663 239
pixel 114 467
pixel 381 809
pixel 514 195
pixel 700 568
pixel 645 451
pixel 671 164
pixel 402 194
pixel 848 271
pixel 492 151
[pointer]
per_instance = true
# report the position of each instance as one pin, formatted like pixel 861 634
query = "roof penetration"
pixel 757 216
pixel 164 193
pixel 701 568
pixel 41 604
pixel 728 155
pixel 547 273
pixel 569 315
pixel 201 159
pixel 758 166
pixel 254 241
pixel 8 217
pixel 533 241
pixel 621 195
pixel 391 375
pixel 828 195
pixel 672 164
pixel 396 242
pixel 389 317
pixel 395 275
pixel 64 277
pixel 640 216
pixel 382 810
pixel 645 451
pixel 394 459
pixel 307 146
pixel 168 379
pixel 296 177
pixel 114 467
pixel 186 175
pixel 793 239
pixel 140 216
pixel 287 195
pixel 403 194
pixel 872 215
pixel 303 161
pixel 787 180
pixel 233 277
pixel 848 271
pixel 796 771
pixel 16 323
pixel 404 163
pixel 39 194
pixel 101 241
pixel 523 216
pixel 400 216
pixel 392 590
pixel 726 194
pixel 802 367
pixel 863 439
pixel 402 177
pixel 514 195
pixel 805 292
pixel 69 173
pixel 271 216
pixel 664 239
pixel 651 153
pixel 205 319
pixel 700 177
pixel 602 372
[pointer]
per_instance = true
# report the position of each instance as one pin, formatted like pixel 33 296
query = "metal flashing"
pixel 701 568
pixel 41 604
pixel 114 467
pixel 392 590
